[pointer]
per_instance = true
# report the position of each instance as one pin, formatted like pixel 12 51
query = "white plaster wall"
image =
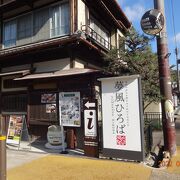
pixel 113 38
pixel 81 14
pixel 55 65
pixel 78 64
pixel 119 35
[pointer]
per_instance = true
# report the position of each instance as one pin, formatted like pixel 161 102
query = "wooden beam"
pixel 1 32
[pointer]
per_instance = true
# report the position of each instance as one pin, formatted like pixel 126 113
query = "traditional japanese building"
pixel 52 47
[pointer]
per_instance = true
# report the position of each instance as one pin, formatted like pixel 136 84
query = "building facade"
pixel 51 47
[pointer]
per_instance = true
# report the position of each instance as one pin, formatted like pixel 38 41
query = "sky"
pixel 134 10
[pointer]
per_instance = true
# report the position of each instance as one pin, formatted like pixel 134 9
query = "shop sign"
pixel 152 22
pixel 69 108
pixel 90 120
pixel 122 118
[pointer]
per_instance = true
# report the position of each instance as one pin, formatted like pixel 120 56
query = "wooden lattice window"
pixel 14 103
pixel 40 112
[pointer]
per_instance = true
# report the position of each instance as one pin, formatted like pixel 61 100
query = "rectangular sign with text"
pixel 69 107
pixel 122 117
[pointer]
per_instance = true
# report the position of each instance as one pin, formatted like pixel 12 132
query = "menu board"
pixel 15 129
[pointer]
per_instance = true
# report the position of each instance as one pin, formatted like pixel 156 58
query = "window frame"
pixel 94 21
pixel 9 21
pixel 3 89
pixel 49 9
pixel 59 5
pixel 18 95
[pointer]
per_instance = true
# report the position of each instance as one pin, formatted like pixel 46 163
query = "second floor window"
pixel 99 32
pixel 10 34
pixel 24 30
pixel 39 25
pixel 60 20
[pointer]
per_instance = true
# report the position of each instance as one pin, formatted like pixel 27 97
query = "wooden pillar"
pixel 70 137
pixel 71 55
pixel 71 5
pixel 1 31
pixel 75 15
pixel 29 90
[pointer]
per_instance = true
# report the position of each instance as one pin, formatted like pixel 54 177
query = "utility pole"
pixel 2 150
pixel 165 86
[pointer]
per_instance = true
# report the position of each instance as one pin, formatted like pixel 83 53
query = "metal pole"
pixel 165 87
pixel 2 150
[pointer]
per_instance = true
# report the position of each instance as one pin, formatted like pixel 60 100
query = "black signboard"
pixel 90 128
pixel 152 22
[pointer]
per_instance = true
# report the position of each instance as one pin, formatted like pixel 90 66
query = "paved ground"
pixel 42 166
pixel 158 135
pixel 173 171
pixel 58 167
pixel 161 175
pixel 24 165
pixel 178 132
pixel 18 158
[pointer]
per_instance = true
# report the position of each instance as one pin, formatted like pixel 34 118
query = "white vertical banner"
pixel 121 109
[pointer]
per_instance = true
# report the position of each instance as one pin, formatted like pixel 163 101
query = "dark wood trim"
pixel 86 16
pixel 0 93
pixel 30 9
pixel 71 5
pixel 6 93
pixel 28 104
pixel 72 58
pixel 1 32
pixel 75 15
pixel 36 47
pixel 116 38
pixel 114 8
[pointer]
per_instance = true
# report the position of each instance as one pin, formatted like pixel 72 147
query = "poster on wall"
pixel 50 108
pixel 15 129
pixel 48 98
pixel 122 117
pixel 70 113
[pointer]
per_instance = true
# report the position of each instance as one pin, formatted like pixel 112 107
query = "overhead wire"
pixel 173 25
pixel 175 42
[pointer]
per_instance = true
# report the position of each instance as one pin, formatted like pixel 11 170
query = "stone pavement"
pixel 47 164
pixel 23 165
pixel 18 158
pixel 161 175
